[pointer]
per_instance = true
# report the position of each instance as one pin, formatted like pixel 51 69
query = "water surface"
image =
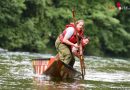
pixel 16 73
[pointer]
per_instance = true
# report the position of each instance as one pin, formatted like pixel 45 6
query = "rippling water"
pixel 16 72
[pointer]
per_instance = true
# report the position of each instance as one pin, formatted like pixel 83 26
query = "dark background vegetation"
pixel 33 25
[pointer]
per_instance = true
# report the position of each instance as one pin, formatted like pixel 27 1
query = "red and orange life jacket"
pixel 73 38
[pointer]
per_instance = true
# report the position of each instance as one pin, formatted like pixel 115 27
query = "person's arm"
pixel 75 51
pixel 69 33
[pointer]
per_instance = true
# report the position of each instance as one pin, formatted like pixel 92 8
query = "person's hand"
pixel 86 41
pixel 75 45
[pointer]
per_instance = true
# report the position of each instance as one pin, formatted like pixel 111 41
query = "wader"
pixel 64 52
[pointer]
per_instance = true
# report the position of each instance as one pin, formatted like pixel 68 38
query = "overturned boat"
pixel 53 68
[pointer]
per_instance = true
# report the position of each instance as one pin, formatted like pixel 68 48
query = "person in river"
pixel 67 39
pixel 83 42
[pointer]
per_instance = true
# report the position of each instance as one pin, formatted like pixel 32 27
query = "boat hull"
pixel 52 68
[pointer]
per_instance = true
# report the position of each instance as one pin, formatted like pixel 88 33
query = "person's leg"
pixel 71 63
pixel 64 52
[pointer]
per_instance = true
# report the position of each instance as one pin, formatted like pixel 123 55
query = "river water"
pixel 16 73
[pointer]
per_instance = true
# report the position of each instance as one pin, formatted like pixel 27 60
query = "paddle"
pixel 82 60
pixel 82 64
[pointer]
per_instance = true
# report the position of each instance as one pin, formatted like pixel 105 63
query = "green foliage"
pixel 33 25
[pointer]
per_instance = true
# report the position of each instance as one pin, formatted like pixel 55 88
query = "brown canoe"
pixel 52 68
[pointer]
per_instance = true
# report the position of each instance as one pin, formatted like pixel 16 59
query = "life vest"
pixel 73 38
pixel 83 44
